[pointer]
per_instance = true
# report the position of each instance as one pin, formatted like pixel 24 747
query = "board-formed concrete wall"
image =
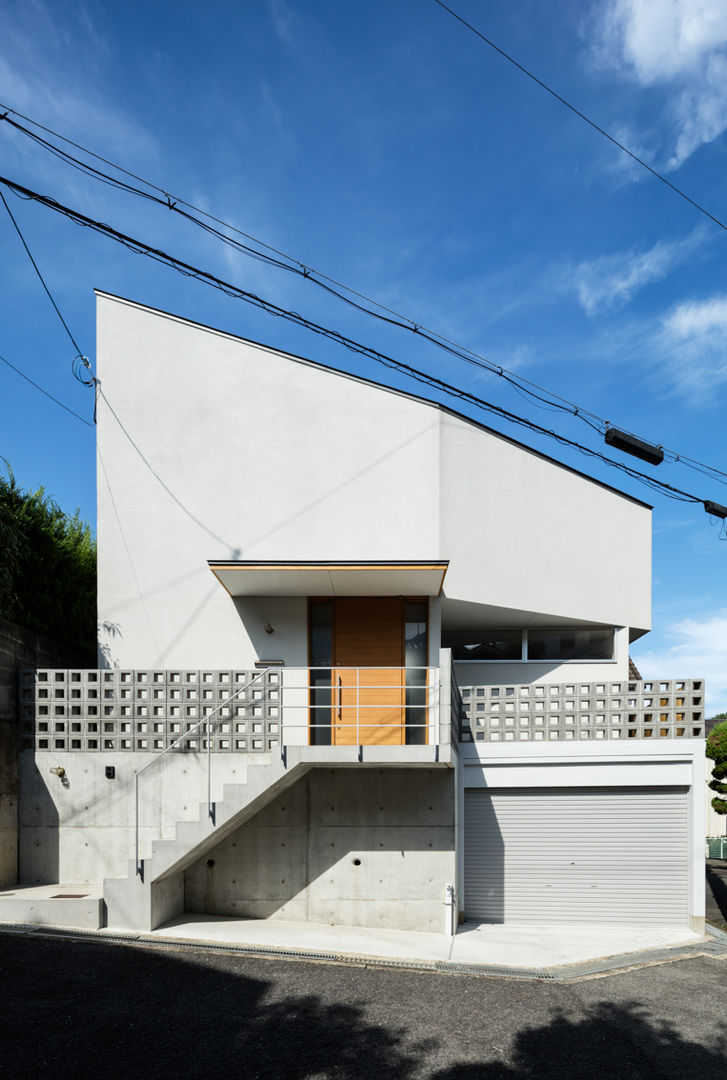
pixel 357 847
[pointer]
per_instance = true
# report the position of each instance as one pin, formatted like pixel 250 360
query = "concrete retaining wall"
pixel 18 648
pixel 357 847
pixel 80 827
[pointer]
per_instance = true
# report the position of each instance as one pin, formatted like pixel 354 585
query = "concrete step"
pixel 142 902
pixel 80 906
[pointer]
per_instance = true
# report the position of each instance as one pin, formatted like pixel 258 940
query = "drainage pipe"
pixel 449 910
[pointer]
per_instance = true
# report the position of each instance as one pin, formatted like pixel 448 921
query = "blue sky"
pixel 388 147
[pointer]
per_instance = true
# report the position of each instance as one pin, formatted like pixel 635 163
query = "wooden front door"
pixel 368 677
pixel 368 673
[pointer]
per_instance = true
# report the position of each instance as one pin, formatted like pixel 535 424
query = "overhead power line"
pixel 187 269
pixel 43 391
pixel 546 398
pixel 49 294
pixel 577 112
pixel 289 263
pixel 80 365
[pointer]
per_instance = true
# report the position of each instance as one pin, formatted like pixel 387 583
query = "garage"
pixel 609 855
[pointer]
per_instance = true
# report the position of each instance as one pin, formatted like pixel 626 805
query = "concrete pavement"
pixel 515 946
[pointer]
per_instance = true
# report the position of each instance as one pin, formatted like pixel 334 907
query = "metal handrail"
pixel 185 735
pixel 207 721
pixel 339 682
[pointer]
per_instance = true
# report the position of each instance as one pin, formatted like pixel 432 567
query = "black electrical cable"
pixel 551 402
pixel 47 394
pixel 42 280
pixel 229 289
pixel 640 161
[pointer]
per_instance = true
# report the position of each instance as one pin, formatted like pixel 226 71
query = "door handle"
pixel 340 694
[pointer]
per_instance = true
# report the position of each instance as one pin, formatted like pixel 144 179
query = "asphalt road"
pixel 90 1010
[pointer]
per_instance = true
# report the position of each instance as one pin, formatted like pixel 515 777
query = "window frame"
pixel 525 659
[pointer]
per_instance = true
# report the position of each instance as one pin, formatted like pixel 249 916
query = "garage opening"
pixel 611 855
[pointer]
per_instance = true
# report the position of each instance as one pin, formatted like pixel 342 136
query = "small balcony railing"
pixel 628 709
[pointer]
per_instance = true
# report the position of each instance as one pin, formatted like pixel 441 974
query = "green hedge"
pixel 47 568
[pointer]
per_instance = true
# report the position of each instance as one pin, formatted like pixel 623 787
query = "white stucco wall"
pixel 255 455
pixel 211 447
pixel 537 538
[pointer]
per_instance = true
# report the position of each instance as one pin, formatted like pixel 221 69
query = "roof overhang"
pixel 289 577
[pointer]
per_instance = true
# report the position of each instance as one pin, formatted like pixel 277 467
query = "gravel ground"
pixel 87 1010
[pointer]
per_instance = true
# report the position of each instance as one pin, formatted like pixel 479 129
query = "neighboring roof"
pixel 379 386
pixel 634 671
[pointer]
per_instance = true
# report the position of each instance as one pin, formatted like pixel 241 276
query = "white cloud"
pixel 678 44
pixel 610 281
pixel 699 651
pixel 661 39
pixel 694 338
pixel 282 19
pixel 37 79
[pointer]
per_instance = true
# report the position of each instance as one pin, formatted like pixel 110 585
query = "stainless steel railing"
pixel 206 722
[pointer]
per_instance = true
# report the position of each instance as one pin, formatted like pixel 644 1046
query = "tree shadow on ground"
pixel 85 1010
pixel 717 887
pixel 616 1042
pixel 88 1010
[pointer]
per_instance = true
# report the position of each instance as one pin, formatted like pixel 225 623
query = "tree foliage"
pixel 47 568
pixel 717 751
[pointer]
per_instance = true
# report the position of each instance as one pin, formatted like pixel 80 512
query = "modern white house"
pixel 359 655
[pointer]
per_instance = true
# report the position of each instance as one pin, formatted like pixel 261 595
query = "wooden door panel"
pixel 376 697
pixel 368 674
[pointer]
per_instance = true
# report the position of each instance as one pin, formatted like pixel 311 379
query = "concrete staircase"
pixel 145 901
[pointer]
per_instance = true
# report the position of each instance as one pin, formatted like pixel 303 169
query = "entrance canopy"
pixel 289 577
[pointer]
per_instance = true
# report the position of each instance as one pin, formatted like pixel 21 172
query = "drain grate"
pixel 251 950
pixel 491 969
pixel 618 963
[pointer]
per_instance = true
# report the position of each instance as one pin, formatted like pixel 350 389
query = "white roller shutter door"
pixel 612 855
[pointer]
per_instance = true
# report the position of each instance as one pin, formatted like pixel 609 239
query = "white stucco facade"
pixel 219 458
pixel 211 447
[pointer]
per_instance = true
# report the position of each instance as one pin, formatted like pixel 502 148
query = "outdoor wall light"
pixel 110 772
pixel 269 629
pixel 60 772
